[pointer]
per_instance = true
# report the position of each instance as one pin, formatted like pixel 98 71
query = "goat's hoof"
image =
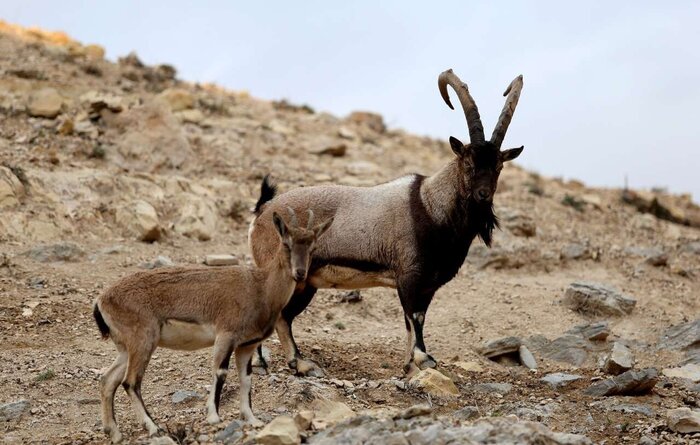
pixel 213 419
pixel 423 360
pixel 306 368
pixel 428 363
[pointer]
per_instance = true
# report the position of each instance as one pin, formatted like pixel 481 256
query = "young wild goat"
pixel 232 308
pixel 411 234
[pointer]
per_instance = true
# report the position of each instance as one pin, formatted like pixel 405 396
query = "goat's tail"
pixel 101 324
pixel 268 189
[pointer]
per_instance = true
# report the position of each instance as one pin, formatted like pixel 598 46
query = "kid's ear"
pixel 511 153
pixel 321 228
pixel 279 225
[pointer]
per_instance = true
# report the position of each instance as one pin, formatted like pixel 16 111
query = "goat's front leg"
pixel 300 300
pixel 223 348
pixel 244 356
pixel 415 305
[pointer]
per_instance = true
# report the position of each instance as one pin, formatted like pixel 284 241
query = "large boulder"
pixel 597 299
pixel 140 220
pixel 45 102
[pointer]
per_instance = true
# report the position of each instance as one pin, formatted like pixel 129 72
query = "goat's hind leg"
pixel 109 382
pixel 244 355
pixel 223 348
pixel 139 357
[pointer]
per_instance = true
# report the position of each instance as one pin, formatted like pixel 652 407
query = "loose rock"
pixel 160 261
pixel 559 380
pixel 598 331
pixel 197 219
pixel 415 411
pixel 467 413
pixel 303 419
pixel 501 346
pixel 619 360
pixel 231 433
pixel 13 410
pixel 11 188
pixel 627 383
pixel 683 420
pixel 597 299
pixel 281 431
pixel 434 382
pixel 526 357
pixel 690 372
pixel 570 349
pixel 498 388
pixel 56 252
pixel 185 396
pixel 177 98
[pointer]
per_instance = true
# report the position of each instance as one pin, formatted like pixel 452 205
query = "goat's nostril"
pixel 483 194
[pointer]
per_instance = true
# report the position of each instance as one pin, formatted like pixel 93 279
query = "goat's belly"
pixel 175 334
pixel 341 277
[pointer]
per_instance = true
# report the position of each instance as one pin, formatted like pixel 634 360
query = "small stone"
pixel 221 260
pixel 501 346
pixel 162 440
pixel 13 410
pixel 619 360
pixel 559 380
pixel 498 388
pixel 628 383
pixel 303 419
pixel 526 357
pixel 353 296
pixel 467 413
pixel 597 299
pixel 415 411
pixel 683 420
pixel 160 261
pixel 646 440
pixel 185 396
pixel 231 433
pixel 45 103
pixel 434 382
pixel 192 116
pixel 598 331
pixel 690 371
pixel 281 431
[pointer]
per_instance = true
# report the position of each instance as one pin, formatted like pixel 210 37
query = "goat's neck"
pixel 279 283
pixel 443 194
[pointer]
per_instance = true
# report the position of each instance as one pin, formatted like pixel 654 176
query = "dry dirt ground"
pixel 69 185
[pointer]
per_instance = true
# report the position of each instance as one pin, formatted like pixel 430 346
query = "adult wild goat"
pixel 411 234
pixel 232 308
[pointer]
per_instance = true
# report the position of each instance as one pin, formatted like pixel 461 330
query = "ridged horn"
pixel 513 93
pixel 471 112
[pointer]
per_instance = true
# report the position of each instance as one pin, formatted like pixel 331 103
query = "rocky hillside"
pixel 107 168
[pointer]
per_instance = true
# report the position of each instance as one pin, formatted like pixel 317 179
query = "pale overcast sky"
pixel 611 88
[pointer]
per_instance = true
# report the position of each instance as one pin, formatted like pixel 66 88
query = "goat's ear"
pixel 457 146
pixel 321 228
pixel 511 153
pixel 279 225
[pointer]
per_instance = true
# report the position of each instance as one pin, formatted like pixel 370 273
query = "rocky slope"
pixel 107 168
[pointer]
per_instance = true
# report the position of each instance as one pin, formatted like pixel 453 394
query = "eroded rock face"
pixel 368 430
pixel 11 189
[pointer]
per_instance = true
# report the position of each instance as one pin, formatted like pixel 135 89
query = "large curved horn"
pixel 310 222
pixel 513 93
pixel 471 112
pixel 292 217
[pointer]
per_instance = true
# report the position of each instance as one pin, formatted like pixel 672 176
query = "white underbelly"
pixel 175 334
pixel 340 277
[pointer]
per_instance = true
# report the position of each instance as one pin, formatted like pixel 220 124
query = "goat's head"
pixel 481 160
pixel 299 242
